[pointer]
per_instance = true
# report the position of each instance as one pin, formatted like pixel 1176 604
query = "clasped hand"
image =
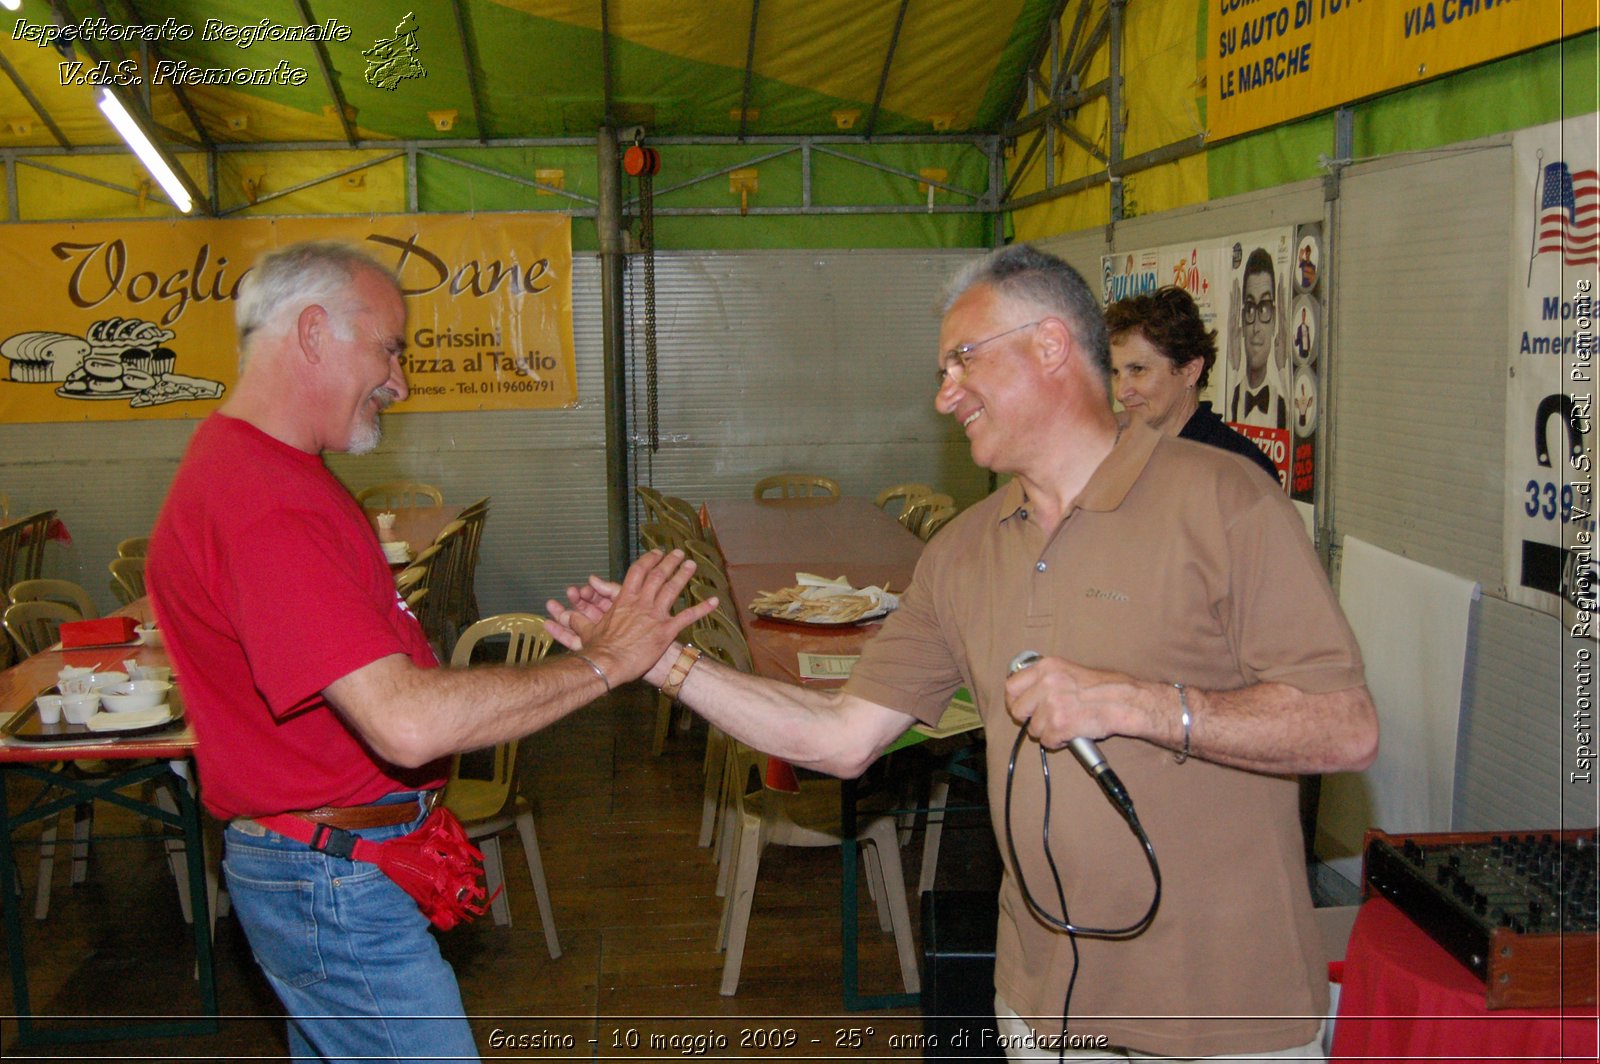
pixel 1058 701
pixel 627 626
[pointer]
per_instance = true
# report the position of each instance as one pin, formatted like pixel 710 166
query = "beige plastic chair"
pixel 653 501
pixel 655 535
pixel 687 516
pixel 934 520
pixel 795 485
pixel 917 509
pixel 710 574
pixel 893 500
pixel 719 637
pixel 22 547
pixel 765 818
pixel 488 807
pixel 463 606
pixel 35 626
pixel 673 514
pixel 409 579
pixel 127 579
pixel 438 561
pixel 399 493
pixel 136 547
pixel 62 591
pixel 33 623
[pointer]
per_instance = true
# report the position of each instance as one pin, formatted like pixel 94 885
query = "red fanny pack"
pixel 435 864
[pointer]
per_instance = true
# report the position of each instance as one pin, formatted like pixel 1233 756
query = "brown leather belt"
pixel 377 815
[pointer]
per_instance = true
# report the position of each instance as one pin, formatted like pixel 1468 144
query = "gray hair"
pixel 1026 274
pixel 291 278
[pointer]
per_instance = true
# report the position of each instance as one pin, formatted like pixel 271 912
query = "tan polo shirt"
pixel 1178 562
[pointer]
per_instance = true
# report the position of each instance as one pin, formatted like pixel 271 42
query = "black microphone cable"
pixel 1086 752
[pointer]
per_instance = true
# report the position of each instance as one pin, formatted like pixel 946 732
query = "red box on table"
pixel 100 632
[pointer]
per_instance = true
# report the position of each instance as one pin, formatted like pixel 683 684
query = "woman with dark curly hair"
pixel 1161 356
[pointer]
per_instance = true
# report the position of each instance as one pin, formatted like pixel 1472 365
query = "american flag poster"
pixel 1550 540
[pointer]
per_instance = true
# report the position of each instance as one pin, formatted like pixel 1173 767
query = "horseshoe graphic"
pixel 1541 421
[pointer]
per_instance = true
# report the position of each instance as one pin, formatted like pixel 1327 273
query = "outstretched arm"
pixel 411 716
pixel 824 730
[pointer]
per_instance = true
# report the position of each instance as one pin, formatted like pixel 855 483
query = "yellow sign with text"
pixel 119 321
pixel 1271 61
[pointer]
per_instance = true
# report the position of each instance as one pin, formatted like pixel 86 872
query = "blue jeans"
pixel 348 952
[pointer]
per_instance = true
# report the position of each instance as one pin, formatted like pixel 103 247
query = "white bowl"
pixel 140 694
pixel 102 680
pixel 79 708
pixel 149 635
pixel 151 672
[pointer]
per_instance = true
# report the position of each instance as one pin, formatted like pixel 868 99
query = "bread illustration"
pixel 113 336
pixel 39 357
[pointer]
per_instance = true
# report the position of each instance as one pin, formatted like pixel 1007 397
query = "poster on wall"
pixel 1306 340
pixel 1245 288
pixel 1275 61
pixel 1255 337
pixel 121 321
pixel 1550 385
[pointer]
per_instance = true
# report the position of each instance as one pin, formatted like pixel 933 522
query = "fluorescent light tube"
pixel 145 150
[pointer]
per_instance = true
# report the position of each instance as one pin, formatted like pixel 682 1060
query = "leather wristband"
pixel 687 657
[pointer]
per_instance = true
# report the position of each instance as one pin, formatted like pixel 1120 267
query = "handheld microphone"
pixel 1085 750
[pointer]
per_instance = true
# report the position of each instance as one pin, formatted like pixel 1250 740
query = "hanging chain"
pixel 647 244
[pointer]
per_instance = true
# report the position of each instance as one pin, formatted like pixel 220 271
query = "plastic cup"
pixel 79 708
pixel 49 709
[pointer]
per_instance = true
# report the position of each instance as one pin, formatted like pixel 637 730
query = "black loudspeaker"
pixel 958 975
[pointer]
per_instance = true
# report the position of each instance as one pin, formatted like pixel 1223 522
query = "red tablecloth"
pixel 1404 998
pixel 765 543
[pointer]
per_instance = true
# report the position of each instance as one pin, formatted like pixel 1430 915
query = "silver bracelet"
pixel 1188 722
pixel 598 671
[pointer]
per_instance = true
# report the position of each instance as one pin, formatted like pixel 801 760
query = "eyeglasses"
pixel 954 362
pixel 1254 312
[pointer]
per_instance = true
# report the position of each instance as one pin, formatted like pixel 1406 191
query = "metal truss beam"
pixel 33 102
pixel 323 64
pixel 888 61
pixel 749 69
pixel 470 66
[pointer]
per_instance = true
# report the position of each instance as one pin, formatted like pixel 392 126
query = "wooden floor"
pixel 634 902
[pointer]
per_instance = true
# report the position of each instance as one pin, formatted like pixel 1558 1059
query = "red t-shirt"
pixel 269 583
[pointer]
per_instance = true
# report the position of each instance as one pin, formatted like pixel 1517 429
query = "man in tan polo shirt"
pixel 1184 622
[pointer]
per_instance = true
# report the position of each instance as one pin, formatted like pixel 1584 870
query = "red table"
pixel 1403 997
pixel 764 543
pixel 165 756
pixel 417 526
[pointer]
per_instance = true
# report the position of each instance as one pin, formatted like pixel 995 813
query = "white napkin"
pixel 819 587
pixel 137 718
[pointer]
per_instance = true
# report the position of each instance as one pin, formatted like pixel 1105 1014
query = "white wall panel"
pixel 1419 383
pixel 1513 757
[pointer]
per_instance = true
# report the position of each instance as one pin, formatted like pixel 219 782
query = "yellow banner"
pixel 1270 61
pixel 114 321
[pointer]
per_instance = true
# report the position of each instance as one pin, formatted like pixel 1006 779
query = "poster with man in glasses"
pixel 1252 290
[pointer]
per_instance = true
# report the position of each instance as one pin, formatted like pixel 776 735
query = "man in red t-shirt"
pixel 312 687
